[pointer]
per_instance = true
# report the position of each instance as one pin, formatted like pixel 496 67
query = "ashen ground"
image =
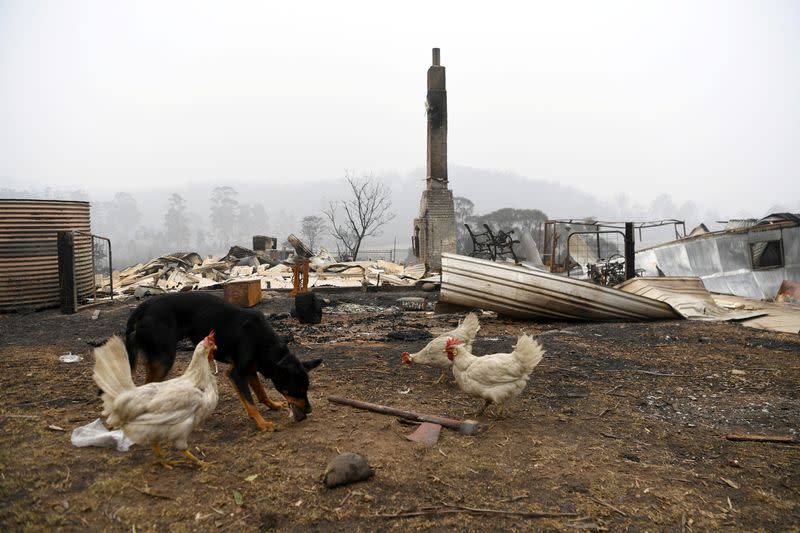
pixel 621 427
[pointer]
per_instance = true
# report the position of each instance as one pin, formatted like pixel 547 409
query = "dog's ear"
pixel 310 365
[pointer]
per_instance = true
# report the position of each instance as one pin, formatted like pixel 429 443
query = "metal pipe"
pixel 110 270
pixel 597 241
pixel 630 251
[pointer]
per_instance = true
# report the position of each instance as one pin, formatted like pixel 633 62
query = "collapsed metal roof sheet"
pixel 740 223
pixel 776 218
pixel 687 296
pixel 516 291
pixel 777 316
pixel 690 298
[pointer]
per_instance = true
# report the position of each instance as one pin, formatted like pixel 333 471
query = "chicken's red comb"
pixel 210 338
pixel 451 342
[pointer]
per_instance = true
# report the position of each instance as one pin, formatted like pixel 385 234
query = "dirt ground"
pixel 621 428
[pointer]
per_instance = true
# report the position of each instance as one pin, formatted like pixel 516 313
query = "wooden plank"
pixel 782 439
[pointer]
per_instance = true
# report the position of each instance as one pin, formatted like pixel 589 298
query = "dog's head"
pixel 290 377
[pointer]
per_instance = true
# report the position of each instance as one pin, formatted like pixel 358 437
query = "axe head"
pixel 426 433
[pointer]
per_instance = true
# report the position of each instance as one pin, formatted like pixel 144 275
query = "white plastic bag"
pixel 70 357
pixel 96 434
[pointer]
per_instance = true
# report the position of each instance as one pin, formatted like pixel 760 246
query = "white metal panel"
pixel 673 260
pixel 703 256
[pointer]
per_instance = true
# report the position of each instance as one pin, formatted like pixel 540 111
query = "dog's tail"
pixel 112 373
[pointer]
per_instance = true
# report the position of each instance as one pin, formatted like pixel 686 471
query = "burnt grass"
pixel 621 427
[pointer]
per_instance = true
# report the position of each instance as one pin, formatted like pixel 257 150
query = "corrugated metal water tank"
pixel 29 252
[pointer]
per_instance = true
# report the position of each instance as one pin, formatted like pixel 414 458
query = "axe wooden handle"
pixel 465 427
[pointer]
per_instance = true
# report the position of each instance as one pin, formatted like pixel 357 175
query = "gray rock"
pixel 428 286
pixel 347 468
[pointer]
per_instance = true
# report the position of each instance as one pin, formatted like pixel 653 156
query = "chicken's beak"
pixel 406 358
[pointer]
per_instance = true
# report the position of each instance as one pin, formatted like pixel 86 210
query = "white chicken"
pixel 434 353
pixel 158 412
pixel 494 377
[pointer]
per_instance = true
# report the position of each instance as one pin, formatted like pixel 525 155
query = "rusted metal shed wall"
pixel 29 253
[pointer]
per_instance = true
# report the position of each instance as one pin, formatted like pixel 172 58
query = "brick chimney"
pixel 435 228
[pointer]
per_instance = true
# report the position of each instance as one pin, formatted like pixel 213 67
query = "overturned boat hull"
pixel 521 292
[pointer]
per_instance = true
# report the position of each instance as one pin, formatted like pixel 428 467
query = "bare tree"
pixel 364 213
pixel 311 227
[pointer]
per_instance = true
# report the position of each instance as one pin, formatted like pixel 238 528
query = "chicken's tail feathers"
pixel 112 371
pixel 530 352
pixel 470 325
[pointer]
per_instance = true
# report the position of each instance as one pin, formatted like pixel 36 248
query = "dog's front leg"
pixel 240 386
pixel 261 394
pixel 156 370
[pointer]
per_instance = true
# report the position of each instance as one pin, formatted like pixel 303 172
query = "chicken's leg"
pixel 485 405
pixel 442 378
pixel 161 458
pixel 190 455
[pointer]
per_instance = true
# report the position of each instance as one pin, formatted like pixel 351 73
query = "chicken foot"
pixel 442 378
pixel 199 462
pixel 500 406
pixel 161 458
pixel 486 404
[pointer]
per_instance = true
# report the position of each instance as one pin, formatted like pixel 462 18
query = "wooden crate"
pixel 243 293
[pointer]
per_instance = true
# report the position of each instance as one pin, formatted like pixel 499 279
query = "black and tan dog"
pixel 245 340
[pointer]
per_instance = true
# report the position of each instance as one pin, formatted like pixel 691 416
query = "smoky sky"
pixel 696 99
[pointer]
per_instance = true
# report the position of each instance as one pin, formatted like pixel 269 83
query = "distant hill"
pixel 491 190
pixel 286 205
